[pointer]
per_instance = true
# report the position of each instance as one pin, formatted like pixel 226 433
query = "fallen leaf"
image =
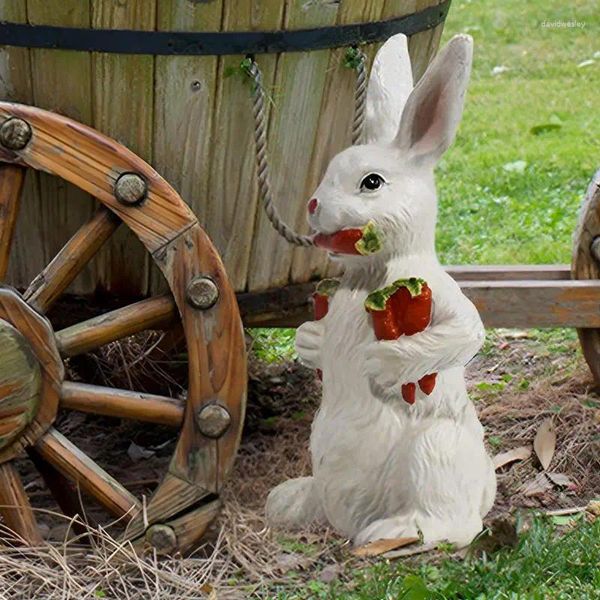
pixel 420 549
pixel 537 486
pixel 559 479
pixel 511 456
pixel 565 520
pixel 544 443
pixel 593 507
pixel 137 453
pixel 516 334
pixel 384 545
pixel 288 561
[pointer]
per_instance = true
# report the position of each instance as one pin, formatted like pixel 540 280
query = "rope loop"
pixel 355 59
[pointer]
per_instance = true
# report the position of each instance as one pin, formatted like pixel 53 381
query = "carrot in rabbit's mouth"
pixel 402 308
pixel 363 241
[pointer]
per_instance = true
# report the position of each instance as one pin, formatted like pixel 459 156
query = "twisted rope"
pixel 260 138
pixel 360 98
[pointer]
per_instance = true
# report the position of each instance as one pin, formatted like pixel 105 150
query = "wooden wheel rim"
pixel 171 233
pixel 586 265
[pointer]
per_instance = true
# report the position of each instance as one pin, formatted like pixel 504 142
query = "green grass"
pixel 543 566
pixel 489 214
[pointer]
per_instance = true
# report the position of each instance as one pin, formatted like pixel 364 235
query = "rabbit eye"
pixel 371 182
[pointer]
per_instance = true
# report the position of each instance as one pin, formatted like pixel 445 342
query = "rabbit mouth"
pixel 359 242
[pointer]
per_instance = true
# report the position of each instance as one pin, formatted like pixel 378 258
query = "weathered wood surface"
pixel 20 382
pixel 586 266
pixel 93 162
pixel 215 345
pixel 15 509
pixel 534 303
pixel 232 201
pixel 28 257
pixel 71 259
pixel 183 116
pixel 62 82
pixel 334 129
pixel 11 185
pixel 509 272
pixel 153 313
pixel 40 338
pixel 77 466
pixel 123 107
pixel 301 77
pixel 64 492
pixel 111 402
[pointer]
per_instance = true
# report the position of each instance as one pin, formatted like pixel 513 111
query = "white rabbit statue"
pixel 383 468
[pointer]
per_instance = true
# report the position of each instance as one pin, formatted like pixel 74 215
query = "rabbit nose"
pixel 312 206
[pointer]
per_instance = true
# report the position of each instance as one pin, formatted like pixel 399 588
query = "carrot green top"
pixel 370 242
pixel 327 287
pixel 377 300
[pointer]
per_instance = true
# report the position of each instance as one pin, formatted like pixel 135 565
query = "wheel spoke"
pixel 74 464
pixel 153 313
pixel 121 403
pixel 14 505
pixel 62 489
pixel 11 184
pixel 71 259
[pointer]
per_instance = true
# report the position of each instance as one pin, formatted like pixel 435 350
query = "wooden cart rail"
pixel 506 296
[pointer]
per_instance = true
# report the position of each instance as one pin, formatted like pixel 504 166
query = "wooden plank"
pixel 76 465
pixel 524 304
pixel 11 186
pixel 509 272
pixel 15 86
pixel 183 115
pixel 300 84
pixel 15 509
pixel 333 135
pixel 125 404
pixel 123 93
pixel 61 81
pixel 152 313
pixel 71 259
pixel 232 202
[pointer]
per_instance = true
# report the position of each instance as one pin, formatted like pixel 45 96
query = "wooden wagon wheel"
pixel 586 265
pixel 32 384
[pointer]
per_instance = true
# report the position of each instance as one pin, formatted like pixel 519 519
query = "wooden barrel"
pixel 194 124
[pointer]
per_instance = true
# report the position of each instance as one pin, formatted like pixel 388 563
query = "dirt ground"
pixel 517 383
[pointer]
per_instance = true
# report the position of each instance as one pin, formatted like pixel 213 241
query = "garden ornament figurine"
pixel 397 448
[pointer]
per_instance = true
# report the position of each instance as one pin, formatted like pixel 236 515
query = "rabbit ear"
pixel 433 110
pixel 390 84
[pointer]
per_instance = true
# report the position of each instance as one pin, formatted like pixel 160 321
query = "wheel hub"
pixel 20 384
pixel 31 372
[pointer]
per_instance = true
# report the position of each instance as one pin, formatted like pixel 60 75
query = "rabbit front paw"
pixel 309 338
pixel 387 369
